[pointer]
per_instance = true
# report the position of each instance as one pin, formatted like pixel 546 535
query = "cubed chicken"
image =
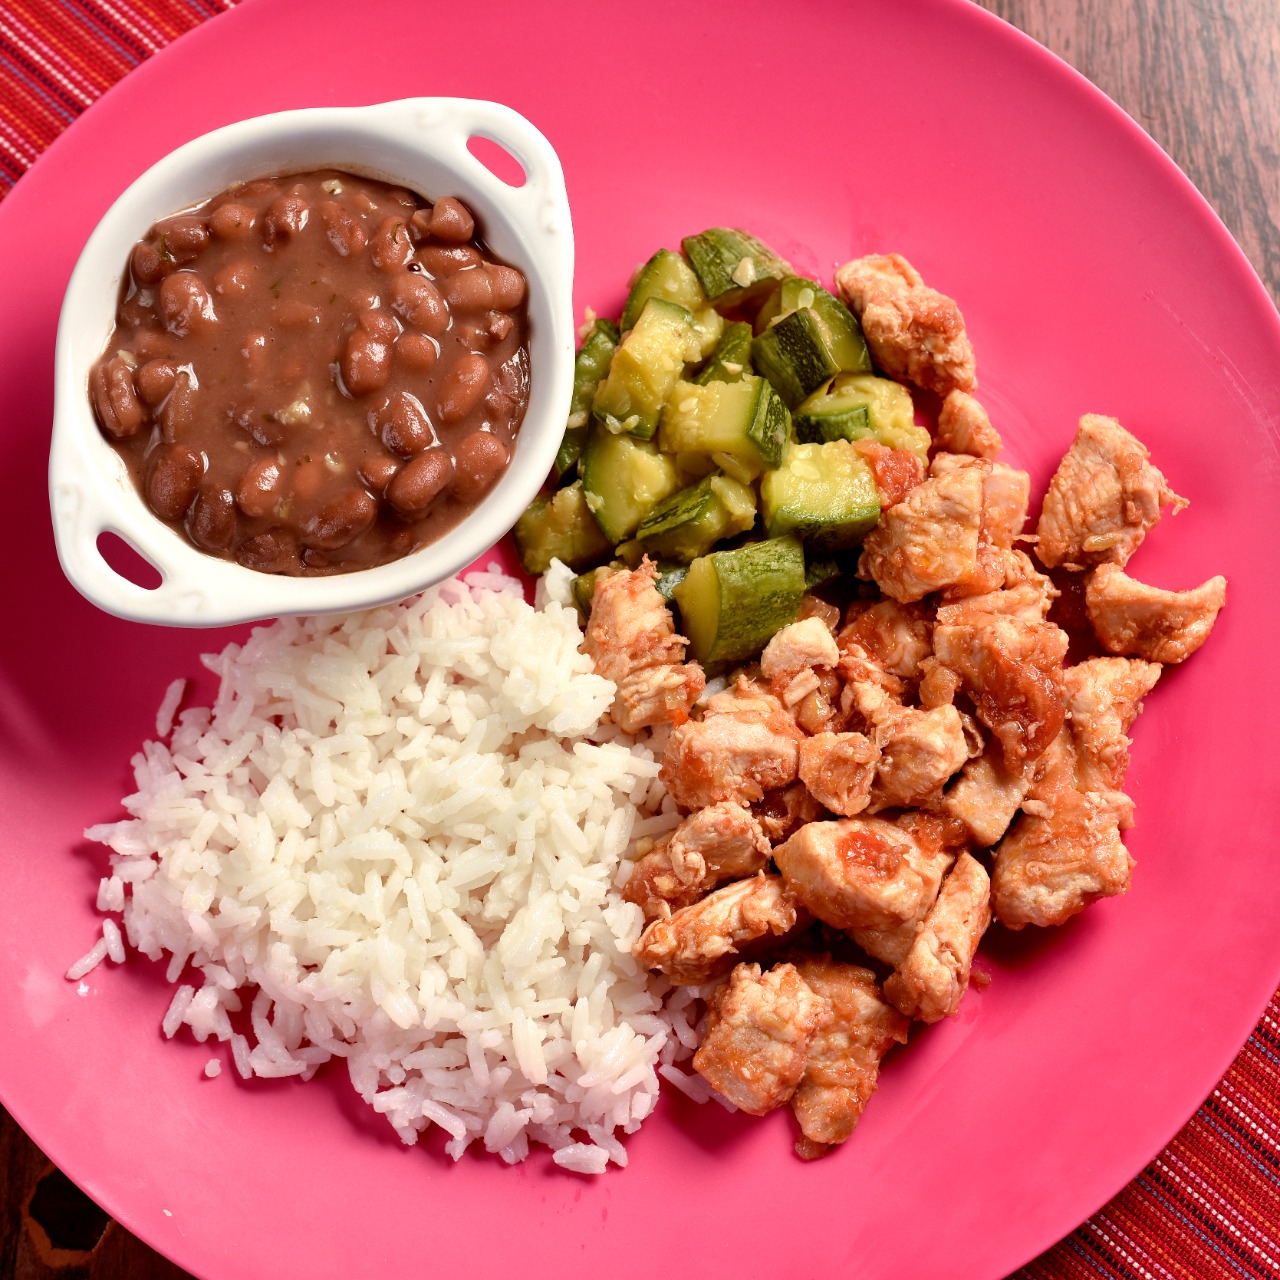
pixel 719 843
pixel 914 332
pixel 931 980
pixel 759 1030
pixel 838 769
pixel 633 642
pixel 744 746
pixel 964 427
pixel 783 812
pixel 922 750
pixel 1006 493
pixel 861 873
pixel 704 940
pixel 844 1056
pixel 1012 669
pixel 1102 499
pixel 898 636
pixel 870 692
pixel 930 540
pixel 987 795
pixel 1103 698
pixel 1132 618
pixel 794 648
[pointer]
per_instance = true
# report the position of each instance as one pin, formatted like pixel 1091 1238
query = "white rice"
pixel 394 839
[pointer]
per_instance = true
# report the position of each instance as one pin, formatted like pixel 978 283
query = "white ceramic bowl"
pixel 419 143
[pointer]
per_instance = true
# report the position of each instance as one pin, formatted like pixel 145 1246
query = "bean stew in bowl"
pixel 313 362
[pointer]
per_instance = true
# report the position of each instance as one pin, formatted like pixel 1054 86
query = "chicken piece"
pixel 1012 669
pixel 869 690
pixel 1103 698
pixel 898 636
pixel 704 940
pixel 759 1030
pixel 818 711
pixel 794 662
pixel 1006 494
pixel 861 873
pixel 914 332
pixel 923 749
pixel 719 843
pixel 889 946
pixel 746 744
pixel 929 540
pixel 633 642
pixel 1102 499
pixel 782 813
pixel 1063 853
pixel 988 795
pixel 938 685
pixel 844 1056
pixel 838 769
pixel 895 471
pixel 931 981
pixel 1132 618
pixel 963 427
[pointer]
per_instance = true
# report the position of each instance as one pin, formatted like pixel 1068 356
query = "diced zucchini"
pixel 666 275
pixel 733 267
pixel 819 569
pixel 689 523
pixel 833 422
pixel 590 366
pixel 559 526
pixel 731 358
pixel 708 324
pixel 732 602
pixel 787 296
pixel 670 576
pixel 803 349
pixel 887 406
pixel 649 361
pixel 623 480
pixel 825 493
pixel 744 421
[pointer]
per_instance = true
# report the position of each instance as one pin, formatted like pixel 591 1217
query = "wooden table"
pixel 1203 78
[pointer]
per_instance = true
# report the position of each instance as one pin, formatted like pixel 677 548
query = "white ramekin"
pixel 419 143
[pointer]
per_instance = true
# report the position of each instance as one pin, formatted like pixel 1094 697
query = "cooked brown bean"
pixel 154 380
pixel 232 221
pixel 260 486
pixel 470 290
pixel 403 425
pixel 212 522
pixel 172 480
pixel 341 520
pixel 182 239
pixel 377 470
pixel 417 301
pixel 146 264
pixel 391 246
pixel 480 459
pixel 286 217
pixel 271 552
pixel 420 482
pixel 185 303
pixel 378 323
pixel 255 190
pixel 445 260
pixel 508 285
pixel 116 399
pixel 366 363
pixel 294 313
pixel 462 387
pixel 234 280
pixel 344 230
pixel 451 220
pixel 416 351
pixel 178 412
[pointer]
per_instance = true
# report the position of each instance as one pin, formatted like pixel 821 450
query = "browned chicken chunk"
pixel 632 641
pixel 1103 699
pixel 1132 618
pixel 1012 669
pixel 721 842
pixel 964 427
pixel 898 636
pixel 1102 499
pixel 759 1029
pixel 704 940
pixel 922 750
pixel 838 769
pixel 931 981
pixel 930 540
pixel 987 794
pixel 861 873
pixel 844 1056
pixel 782 813
pixel 913 331
pixel 746 744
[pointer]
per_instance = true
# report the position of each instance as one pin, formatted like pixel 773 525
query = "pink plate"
pixel 1093 278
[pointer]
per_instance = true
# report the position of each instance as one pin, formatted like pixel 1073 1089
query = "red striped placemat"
pixel 1209 1205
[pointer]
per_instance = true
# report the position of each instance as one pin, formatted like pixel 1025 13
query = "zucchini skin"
pixel 559 526
pixel 732 266
pixel 623 479
pixel 731 359
pixel 666 275
pixel 590 367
